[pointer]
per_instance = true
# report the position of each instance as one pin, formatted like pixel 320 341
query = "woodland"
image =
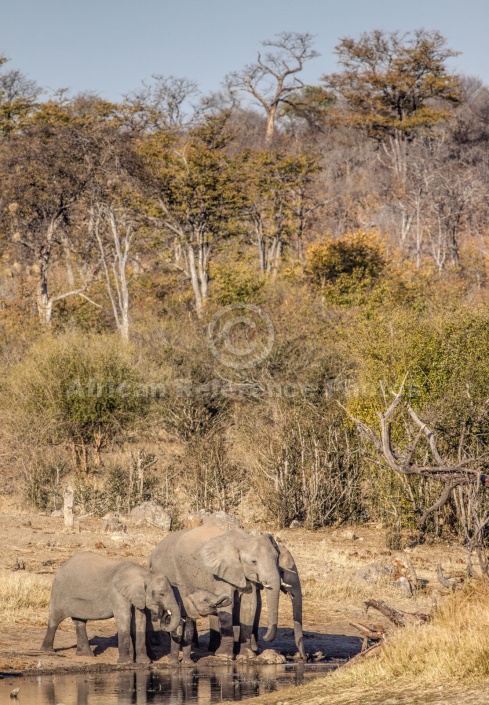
pixel 348 222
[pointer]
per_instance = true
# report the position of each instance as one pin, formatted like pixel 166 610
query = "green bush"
pixel 77 389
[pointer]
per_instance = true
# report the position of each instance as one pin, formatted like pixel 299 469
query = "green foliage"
pixel 79 389
pixel 235 284
pixel 354 259
pixel 390 80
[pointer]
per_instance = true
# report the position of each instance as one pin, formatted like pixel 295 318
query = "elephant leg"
pixel 53 622
pixel 247 614
pixel 214 633
pixel 176 642
pixel 122 615
pixel 140 636
pixel 82 645
pixel 187 640
pixel 256 622
pixel 226 650
pixel 195 638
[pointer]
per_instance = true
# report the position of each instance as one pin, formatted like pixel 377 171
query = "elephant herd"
pixel 216 570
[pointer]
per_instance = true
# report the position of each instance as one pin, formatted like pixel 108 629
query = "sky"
pixel 109 47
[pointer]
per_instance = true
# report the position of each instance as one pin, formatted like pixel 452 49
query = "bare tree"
pixel 114 231
pixel 18 96
pixel 167 103
pixel 273 79
pixel 462 479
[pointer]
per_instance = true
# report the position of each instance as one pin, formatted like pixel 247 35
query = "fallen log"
pixel 369 632
pixel 449 581
pixel 375 632
pixel 397 617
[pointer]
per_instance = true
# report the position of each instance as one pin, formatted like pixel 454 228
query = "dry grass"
pixel 24 597
pixel 454 647
pixel 429 663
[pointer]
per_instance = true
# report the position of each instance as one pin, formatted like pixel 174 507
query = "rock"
pixel 295 524
pixel 152 514
pixel 271 656
pixel 349 535
pixel 115 525
pixel 221 519
pixel 404 586
pixel 195 519
pixel 57 513
pixel 373 572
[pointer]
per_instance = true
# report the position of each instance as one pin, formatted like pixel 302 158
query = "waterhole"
pixel 201 686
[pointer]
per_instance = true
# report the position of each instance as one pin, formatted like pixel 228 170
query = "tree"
pixel 392 85
pixel 163 104
pixel 272 79
pixel 279 202
pixel 197 196
pixel 18 96
pixel 46 168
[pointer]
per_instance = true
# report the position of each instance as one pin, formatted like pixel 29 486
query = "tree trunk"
pixel 194 280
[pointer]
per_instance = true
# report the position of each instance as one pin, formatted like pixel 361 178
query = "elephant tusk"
pixel 286 585
pixel 168 612
pixel 267 586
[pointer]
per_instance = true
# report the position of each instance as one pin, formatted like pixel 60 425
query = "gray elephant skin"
pixel 89 586
pixel 290 585
pixel 224 560
pixel 199 603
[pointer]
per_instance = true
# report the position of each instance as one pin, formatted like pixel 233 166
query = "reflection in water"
pixel 179 686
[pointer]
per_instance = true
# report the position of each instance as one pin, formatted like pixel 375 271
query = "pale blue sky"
pixel 110 46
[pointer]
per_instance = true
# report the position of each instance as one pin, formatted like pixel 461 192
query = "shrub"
pixel 353 258
pixel 77 389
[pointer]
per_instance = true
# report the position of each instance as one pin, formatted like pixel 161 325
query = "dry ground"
pixel 32 547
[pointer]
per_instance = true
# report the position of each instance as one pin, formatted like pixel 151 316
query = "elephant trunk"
pixel 272 592
pixel 291 578
pixel 173 619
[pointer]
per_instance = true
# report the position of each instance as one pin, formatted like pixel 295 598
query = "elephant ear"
pixel 221 558
pixel 130 583
pixel 285 559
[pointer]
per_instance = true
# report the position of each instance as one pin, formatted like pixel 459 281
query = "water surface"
pixel 182 686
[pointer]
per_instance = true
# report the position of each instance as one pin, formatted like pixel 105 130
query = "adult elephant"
pixel 290 585
pixel 89 586
pixel 222 560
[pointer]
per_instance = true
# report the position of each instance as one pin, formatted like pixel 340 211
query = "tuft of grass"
pixel 24 597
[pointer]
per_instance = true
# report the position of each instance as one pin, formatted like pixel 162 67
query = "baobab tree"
pixel 273 78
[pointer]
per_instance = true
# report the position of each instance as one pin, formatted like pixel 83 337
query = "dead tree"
pixel 462 480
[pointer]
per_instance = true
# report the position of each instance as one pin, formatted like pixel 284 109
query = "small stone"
pixel 404 586
pixel 349 535
pixel 271 656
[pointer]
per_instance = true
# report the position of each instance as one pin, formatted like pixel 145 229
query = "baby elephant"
pixel 198 603
pixel 89 586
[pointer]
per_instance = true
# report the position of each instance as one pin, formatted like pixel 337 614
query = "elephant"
pixel 89 586
pixel 224 560
pixel 199 603
pixel 290 585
